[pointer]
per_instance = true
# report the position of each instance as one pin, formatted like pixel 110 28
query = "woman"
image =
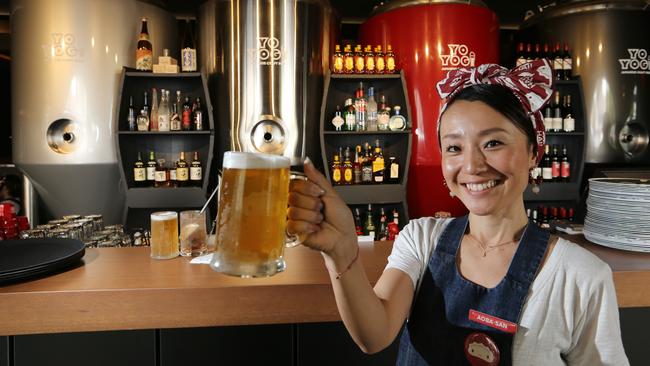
pixel 488 288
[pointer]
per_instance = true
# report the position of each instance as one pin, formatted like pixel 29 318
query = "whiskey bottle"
pixel 139 172
pixel 366 167
pixel 356 165
pixel 161 175
pixel 565 166
pixel 196 171
pixel 378 165
pixel 337 60
pixel 338 121
pixel 173 179
pixel 350 115
pixel 369 228
pixel 130 119
pixel 182 171
pixel 359 60
pixel 391 66
pixel 188 52
pixel 380 62
pixel 393 170
pixel 144 53
pixel 348 60
pixel 336 170
pixel 348 171
pixel 151 169
pixel 369 60
pixel 163 111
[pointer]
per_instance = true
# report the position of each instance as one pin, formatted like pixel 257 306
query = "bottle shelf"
pixel 367 132
pixel 371 193
pixel 151 197
pixel 366 76
pixel 149 74
pixel 204 132
pixel 565 133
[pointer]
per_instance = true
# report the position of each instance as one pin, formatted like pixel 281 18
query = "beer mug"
pixel 252 217
pixel 164 235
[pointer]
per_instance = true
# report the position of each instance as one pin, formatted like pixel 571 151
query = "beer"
pixel 164 235
pixel 252 215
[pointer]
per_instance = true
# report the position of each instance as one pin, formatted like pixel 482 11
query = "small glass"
pixel 164 235
pixel 30 234
pixel 58 222
pixel 72 217
pixel 194 240
pixel 75 231
pixel 59 233
pixel 98 221
pixel 88 227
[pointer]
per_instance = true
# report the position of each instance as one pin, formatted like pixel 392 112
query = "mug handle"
pixel 292 240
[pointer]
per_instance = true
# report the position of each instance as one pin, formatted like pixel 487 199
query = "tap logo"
pixel 459 56
pixel 638 63
pixel 268 51
pixel 63 48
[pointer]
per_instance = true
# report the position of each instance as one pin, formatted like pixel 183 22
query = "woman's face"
pixel 485 158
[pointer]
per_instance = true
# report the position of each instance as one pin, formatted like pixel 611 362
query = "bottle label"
pixel 390 64
pixel 161 176
pixel 151 173
pixel 182 174
pixel 366 174
pixel 548 124
pixel 175 123
pixel 557 64
pixel 187 118
pixel 143 59
pixel 555 169
pixel 336 175
pixel 557 124
pixel 196 173
pixel 380 65
pixel 163 123
pixel 357 176
pixel 378 165
pixel 566 169
pixel 569 124
pixel 370 64
pixel 347 176
pixel 337 121
pixel 394 171
pixel 567 64
pixel 349 64
pixel 198 120
pixel 382 121
pixel 338 64
pixel 359 64
pixel 547 173
pixel 350 121
pixel 139 174
pixel 172 174
pixel 188 59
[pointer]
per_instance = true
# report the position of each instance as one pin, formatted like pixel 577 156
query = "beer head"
pixel 248 160
pixel 163 216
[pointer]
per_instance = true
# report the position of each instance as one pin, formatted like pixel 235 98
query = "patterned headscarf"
pixel 531 83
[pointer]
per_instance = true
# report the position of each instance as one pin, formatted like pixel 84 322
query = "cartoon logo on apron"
pixel 481 350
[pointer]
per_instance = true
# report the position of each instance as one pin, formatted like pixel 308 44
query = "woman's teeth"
pixel 478 187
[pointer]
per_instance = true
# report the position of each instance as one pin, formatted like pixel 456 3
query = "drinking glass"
pixel 164 235
pixel 194 240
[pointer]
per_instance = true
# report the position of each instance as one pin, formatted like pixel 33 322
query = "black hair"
pixel 501 99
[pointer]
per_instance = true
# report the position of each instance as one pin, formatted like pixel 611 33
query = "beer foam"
pixel 163 215
pixel 248 160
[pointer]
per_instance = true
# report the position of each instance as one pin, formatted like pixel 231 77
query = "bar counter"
pixel 123 289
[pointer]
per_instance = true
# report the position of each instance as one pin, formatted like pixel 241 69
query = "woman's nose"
pixel 474 161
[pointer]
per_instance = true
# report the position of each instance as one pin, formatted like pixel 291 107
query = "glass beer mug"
pixel 252 217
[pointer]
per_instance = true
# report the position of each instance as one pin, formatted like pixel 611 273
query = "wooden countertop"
pixel 122 288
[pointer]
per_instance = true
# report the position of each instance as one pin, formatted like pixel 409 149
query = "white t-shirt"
pixel 570 315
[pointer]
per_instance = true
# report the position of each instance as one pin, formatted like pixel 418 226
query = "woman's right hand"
pixel 317 211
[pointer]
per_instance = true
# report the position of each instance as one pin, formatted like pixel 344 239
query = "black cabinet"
pixel 141 201
pixel 4 352
pixel 396 143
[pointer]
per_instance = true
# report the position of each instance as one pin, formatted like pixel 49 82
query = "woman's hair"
pixel 502 100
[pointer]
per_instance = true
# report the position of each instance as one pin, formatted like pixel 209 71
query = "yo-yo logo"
pixel 459 56
pixel 268 51
pixel 638 63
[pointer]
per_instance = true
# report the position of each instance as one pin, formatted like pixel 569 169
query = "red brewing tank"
pixel 429 38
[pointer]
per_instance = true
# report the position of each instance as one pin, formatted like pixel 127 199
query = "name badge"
pixel 492 321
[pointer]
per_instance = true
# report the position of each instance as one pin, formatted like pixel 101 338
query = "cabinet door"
pixel 123 348
pixel 241 345
pixel 4 351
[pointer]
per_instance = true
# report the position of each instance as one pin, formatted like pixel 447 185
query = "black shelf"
pixel 565 133
pixel 575 81
pixel 371 193
pixel 149 197
pixel 366 132
pixel 204 132
pixel 366 76
pixel 554 192
pixel 148 74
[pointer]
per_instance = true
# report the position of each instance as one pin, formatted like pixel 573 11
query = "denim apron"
pixel 439 330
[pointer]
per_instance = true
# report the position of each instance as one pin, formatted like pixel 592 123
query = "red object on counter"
pixel 23 223
pixel 429 40
pixel 7 210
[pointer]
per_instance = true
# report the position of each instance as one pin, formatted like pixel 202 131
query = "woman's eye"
pixel 493 143
pixel 452 148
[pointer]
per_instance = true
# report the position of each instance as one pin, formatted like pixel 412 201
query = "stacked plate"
pixel 618 213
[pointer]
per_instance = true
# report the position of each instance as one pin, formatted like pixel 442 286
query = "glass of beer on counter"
pixel 252 217
pixel 164 235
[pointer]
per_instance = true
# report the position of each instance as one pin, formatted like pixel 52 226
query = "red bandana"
pixel 531 83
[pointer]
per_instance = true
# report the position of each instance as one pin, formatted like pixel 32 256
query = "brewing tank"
pixel 265 62
pixel 610 46
pixel 67 58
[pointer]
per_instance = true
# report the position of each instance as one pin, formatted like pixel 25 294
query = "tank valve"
pixel 61 136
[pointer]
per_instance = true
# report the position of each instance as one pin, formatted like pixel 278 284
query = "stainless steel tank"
pixel 610 45
pixel 67 57
pixel 265 61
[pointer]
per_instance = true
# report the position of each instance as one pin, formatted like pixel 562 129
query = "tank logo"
pixel 63 48
pixel 268 51
pixel 638 63
pixel 459 56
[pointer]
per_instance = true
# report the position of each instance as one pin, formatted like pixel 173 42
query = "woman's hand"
pixel 316 210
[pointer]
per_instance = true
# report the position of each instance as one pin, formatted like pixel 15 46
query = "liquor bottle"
pixel 336 170
pixel 371 110
pixel 563 213
pixel 179 105
pixel 357 222
pixel 521 58
pixel 548 117
pixel 173 179
pixel 568 122
pixel 144 53
pixel 393 170
pixel 188 51
pixel 182 171
pixel 369 228
pixel 360 104
pixel 558 69
pixel 145 105
pixel 356 165
pixel 545 218
pixel 161 175
pixel 557 113
pixel 139 172
pixel 338 120
pixel 163 111
pixel 380 62
pixel 546 53
pixel 366 167
pixel 337 60
pixel 538 52
pixel 556 164
pixel 130 120
pixel 571 214
pixel 397 122
pixel 391 65
pixel 393 226
pixel 359 61
pixel 197 115
pixel 567 63
pixel 378 165
pixel 174 119
pixel 554 214
pixel 186 119
pixel 151 169
pixel 143 121
pixel 196 171
pixel 382 234
pixel 383 114
pixel 370 60
pixel 565 165
pixel 349 115
pixel 547 166
pixel 153 118
pixel 348 171
pixel 348 60
pixel 529 53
